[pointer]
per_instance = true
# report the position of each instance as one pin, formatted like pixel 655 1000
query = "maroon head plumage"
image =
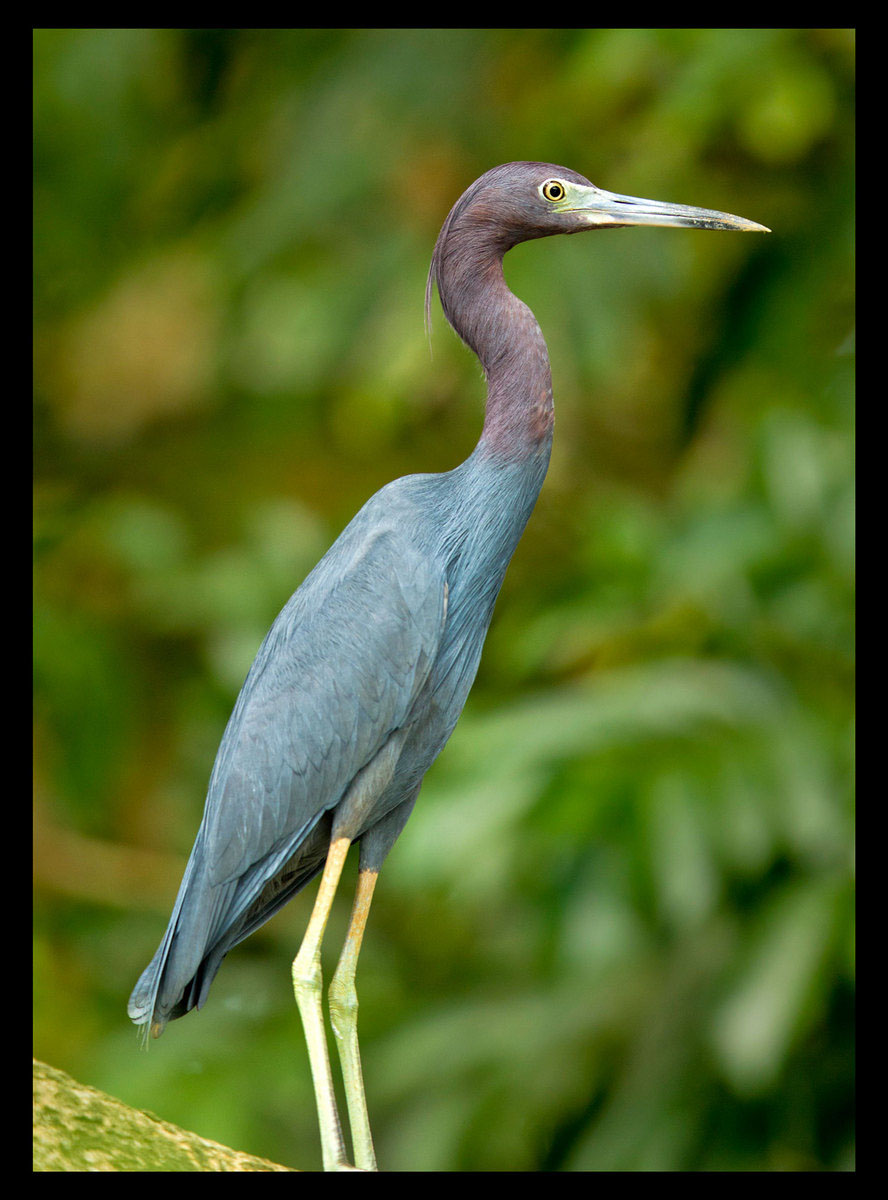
pixel 513 203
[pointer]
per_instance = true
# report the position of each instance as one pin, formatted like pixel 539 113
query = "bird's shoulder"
pixel 378 588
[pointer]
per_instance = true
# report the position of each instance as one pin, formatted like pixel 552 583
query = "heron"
pixel 361 679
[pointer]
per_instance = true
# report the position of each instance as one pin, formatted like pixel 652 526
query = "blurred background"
pixel 617 933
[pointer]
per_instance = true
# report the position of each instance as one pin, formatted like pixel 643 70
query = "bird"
pixel 363 675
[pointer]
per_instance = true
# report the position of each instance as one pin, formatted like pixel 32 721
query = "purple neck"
pixel 505 335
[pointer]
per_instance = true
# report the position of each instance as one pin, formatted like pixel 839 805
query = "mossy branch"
pixel 77 1128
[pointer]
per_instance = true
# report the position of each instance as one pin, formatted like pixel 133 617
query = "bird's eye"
pixel 553 189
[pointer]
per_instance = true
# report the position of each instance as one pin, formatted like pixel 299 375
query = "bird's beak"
pixel 600 209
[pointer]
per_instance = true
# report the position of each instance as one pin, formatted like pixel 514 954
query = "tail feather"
pixel 179 976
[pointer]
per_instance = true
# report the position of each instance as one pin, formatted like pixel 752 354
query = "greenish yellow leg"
pixel 307 986
pixel 343 999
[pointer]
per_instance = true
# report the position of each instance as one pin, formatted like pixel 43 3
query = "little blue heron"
pixel 362 677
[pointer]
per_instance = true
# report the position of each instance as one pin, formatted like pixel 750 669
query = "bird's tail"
pixel 142 1006
pixel 175 980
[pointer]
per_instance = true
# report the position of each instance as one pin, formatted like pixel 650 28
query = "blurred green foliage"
pixel 618 930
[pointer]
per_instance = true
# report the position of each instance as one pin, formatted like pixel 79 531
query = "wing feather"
pixel 339 671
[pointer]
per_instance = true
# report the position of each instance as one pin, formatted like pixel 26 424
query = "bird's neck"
pixel 505 335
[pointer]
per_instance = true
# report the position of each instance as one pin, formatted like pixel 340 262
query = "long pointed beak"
pixel 605 209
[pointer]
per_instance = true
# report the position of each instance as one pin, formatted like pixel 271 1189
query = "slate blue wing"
pixel 337 675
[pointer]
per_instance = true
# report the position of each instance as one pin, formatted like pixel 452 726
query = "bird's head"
pixel 523 200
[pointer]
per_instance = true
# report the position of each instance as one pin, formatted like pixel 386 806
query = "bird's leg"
pixel 343 1000
pixel 307 987
pixel 375 845
pixel 351 812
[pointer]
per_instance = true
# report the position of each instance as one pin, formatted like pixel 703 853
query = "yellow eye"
pixel 553 189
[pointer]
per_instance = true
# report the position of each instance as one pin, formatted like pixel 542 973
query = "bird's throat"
pixel 519 416
pixel 504 333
